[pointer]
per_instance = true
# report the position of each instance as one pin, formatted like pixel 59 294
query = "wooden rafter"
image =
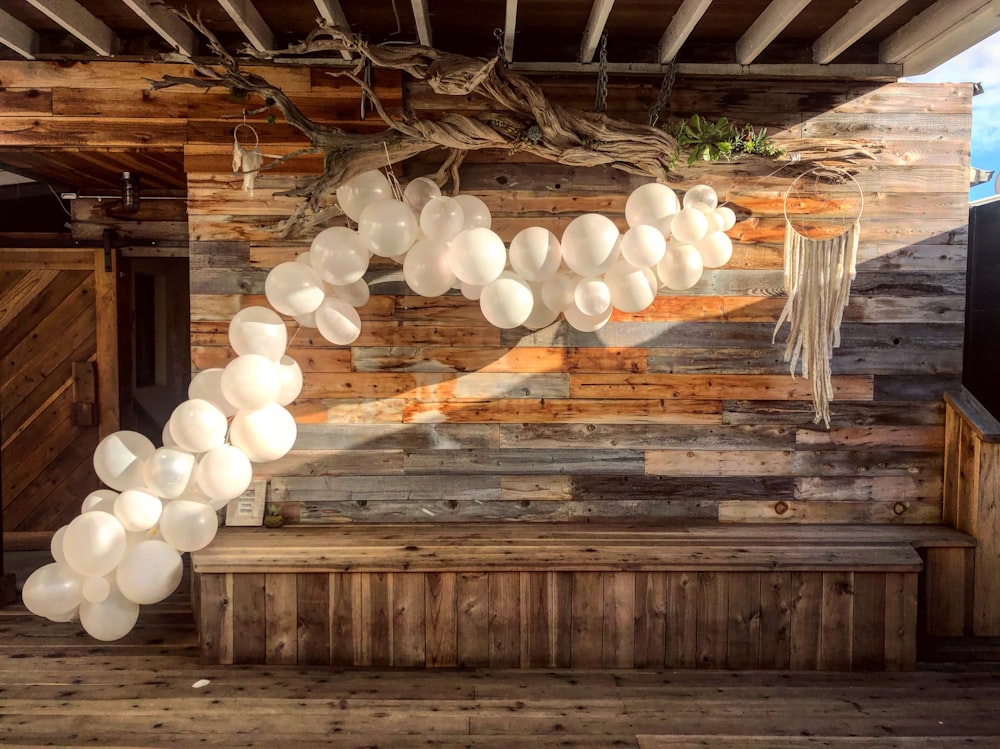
pixel 423 20
pixel 938 19
pixel 768 25
pixel 333 13
pixel 248 18
pixel 857 22
pixel 599 13
pixel 970 31
pixel 172 29
pixel 680 28
pixel 79 22
pixel 509 30
pixel 18 36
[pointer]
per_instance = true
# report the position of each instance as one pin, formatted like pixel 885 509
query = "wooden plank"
pixel 775 619
pixel 619 620
pixel 505 613
pixel 599 12
pixel 18 36
pixel 77 131
pixel 722 387
pixel 408 620
pixel 440 598
pixel 248 610
pixel 281 618
pixel 743 639
pixel 81 23
pixel 986 613
pixel 712 607
pixel 174 31
pixel 472 595
pixel 345 619
pixel 588 615
pixel 805 632
pixel 900 621
pixel 681 25
pixel 837 629
pixel 946 592
pixel 853 25
pixel 768 25
pixel 106 304
pixel 314 623
pixel 215 625
pixel 377 616
pixel 868 624
pixel 651 619
pixel 245 15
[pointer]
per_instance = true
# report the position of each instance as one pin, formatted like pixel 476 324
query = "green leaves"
pixel 705 140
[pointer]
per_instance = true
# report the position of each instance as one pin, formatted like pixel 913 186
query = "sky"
pixel 979 64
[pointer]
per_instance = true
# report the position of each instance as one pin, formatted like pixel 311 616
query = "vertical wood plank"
pixel 952 437
pixel 281 614
pixel 588 613
pixel 838 621
pixel 561 636
pixel 408 620
pixel 248 608
pixel 313 604
pixel 681 644
pixel 713 613
pixel 743 638
pixel 505 619
pixel 969 496
pixel 106 299
pixel 946 592
pixel 805 620
pixel 650 619
pixel 472 630
pixel 345 637
pixel 439 607
pixel 378 616
pixel 868 647
pixel 536 620
pixel 986 613
pixel 900 621
pixel 619 620
pixel 775 619
pixel 215 624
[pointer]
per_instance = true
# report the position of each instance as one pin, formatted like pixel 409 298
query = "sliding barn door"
pixel 58 380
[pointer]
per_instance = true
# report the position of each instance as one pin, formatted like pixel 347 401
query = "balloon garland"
pixel 124 549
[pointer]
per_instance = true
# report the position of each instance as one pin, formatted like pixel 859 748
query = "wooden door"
pixel 58 380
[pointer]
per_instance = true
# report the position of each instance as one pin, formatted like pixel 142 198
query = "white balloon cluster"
pixel 124 549
pixel 445 243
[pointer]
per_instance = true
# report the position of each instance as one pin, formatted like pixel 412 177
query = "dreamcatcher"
pixel 247 160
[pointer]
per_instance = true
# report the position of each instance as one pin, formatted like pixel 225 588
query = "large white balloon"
pixel 689 225
pixel 94 543
pixel 649 203
pixel 258 330
pixel 419 192
pixel 442 218
pixel 355 294
pixel 535 253
pixel 251 381
pixel 388 228
pixel 119 457
pixel 168 471
pixel 541 315
pixel 294 289
pixel 338 322
pixel 137 510
pixel 507 302
pixel 680 268
pixel 207 386
pixel 477 256
pixel 475 211
pixel 111 619
pixel 53 591
pixel 643 246
pixel 187 525
pixel 557 291
pixel 590 244
pixel 632 288
pixel 339 256
pixel 425 268
pixel 223 473
pixel 290 377
pixel 151 570
pixel 264 435
pixel 103 500
pixel 592 296
pixel 716 249
pixel 355 194
pixel 198 425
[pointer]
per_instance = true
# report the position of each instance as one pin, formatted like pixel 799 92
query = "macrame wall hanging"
pixel 822 229
pixel 247 160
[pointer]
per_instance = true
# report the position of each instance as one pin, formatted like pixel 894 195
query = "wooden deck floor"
pixel 58 687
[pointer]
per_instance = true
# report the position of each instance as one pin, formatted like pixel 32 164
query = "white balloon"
pixel 557 291
pixel 94 543
pixel 207 386
pixel 388 228
pixel 111 619
pixel 590 244
pixel 338 322
pixel 541 315
pixel 56 545
pixel 680 268
pixel 355 194
pixel 198 425
pixel 168 471
pixel 643 246
pixel 258 330
pixel 689 225
pixel 293 288
pixel 666 226
pixel 476 212
pixel 728 216
pixel 306 321
pixel 103 500
pixel 53 591
pixel 251 381
pixel 535 253
pixel 442 218
pixel 223 473
pixel 355 294
pixel 290 377
pixel 265 434
pixel 425 268
pixel 96 589
pixel 138 510
pixel 716 249
pixel 305 257
pixel 419 192
pixel 119 457
pixel 472 292
pixel 648 203
pixel 586 323
pixel 701 195
pixel 592 296
pixel 507 302
pixel 339 256
pixel 188 526
pixel 477 256
pixel 632 289
pixel 151 570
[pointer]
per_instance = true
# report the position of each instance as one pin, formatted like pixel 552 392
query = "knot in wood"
pixel 780 508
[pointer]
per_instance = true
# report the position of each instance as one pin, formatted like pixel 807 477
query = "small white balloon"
pixel 728 216
pixel 355 194
pixel 167 472
pixel 716 249
pixel 53 591
pixel 207 386
pixel 535 253
pixel 223 473
pixel 689 225
pixel 338 322
pixel 305 258
pixel 198 425
pixel 426 270
pixel 188 526
pixel 419 192
pixel 111 619
pixel 557 291
pixel 96 589
pixel 680 268
pixel 251 381
pixel 293 288
pixel 56 545
pixel 472 292
pixel 586 323
pixel 151 570
pixel 632 289
pixel 477 256
pixel 476 212
pixel 119 457
pixel 592 296
pixel 507 302
pixel 388 228
pixel 643 246
pixel 265 434
pixel 442 218
pixel 649 203
pixel 94 543
pixel 339 256
pixel 138 510
pixel 701 195
pixel 355 294
pixel 290 377
pixel 590 244
pixel 541 315
pixel 258 330
pixel 103 500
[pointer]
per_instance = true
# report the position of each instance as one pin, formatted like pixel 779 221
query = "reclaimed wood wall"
pixel 683 410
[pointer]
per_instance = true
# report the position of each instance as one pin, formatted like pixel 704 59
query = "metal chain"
pixel 367 77
pixel 501 56
pixel 666 87
pixel 601 99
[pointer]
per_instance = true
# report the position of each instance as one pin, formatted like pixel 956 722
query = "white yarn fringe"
pixel 247 161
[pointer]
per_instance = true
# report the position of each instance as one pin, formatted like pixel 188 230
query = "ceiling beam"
pixel 174 31
pixel 423 21
pixel 509 30
pixel 768 25
pixel 680 28
pixel 853 25
pixel 803 71
pixel 248 18
pixel 19 37
pixel 79 22
pixel 970 31
pixel 926 27
pixel 599 13
pixel 333 13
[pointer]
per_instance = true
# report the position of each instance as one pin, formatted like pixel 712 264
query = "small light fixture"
pixel 130 192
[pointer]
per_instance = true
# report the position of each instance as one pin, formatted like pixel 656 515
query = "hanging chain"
pixel 501 54
pixel 666 87
pixel 367 77
pixel 601 99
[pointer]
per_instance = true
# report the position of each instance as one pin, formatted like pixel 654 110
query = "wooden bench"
pixel 601 595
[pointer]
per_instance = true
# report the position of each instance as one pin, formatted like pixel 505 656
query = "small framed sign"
pixel 248 508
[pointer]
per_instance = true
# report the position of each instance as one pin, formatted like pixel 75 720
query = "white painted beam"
pixel 723 70
pixel 174 31
pixel 333 13
pixel 248 18
pixel 599 13
pixel 925 28
pixel 967 33
pixel 423 21
pixel 768 25
pixel 79 22
pixel 509 30
pixel 680 28
pixel 853 25
pixel 18 36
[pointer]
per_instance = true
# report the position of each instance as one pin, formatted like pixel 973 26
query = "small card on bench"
pixel 248 508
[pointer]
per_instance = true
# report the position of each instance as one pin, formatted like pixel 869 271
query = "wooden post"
pixel 8 590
